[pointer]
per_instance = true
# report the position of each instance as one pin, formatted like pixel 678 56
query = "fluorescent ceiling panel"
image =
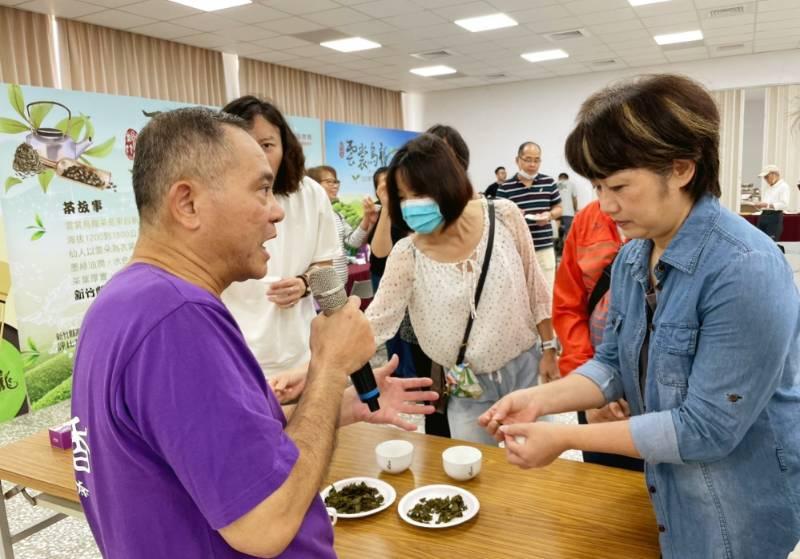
pixel 645 2
pixel 429 71
pixel 351 44
pixel 212 5
pixel 486 23
pixel 683 37
pixel 544 55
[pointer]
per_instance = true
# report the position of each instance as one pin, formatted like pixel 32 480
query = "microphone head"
pixel 327 289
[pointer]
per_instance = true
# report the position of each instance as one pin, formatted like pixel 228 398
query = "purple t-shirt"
pixel 176 433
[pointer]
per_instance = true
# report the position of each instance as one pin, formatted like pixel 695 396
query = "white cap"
pixel 769 169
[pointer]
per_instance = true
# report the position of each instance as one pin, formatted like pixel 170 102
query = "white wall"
pixel 494 120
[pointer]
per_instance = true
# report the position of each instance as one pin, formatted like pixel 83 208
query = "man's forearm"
pixel 556 212
pixel 312 427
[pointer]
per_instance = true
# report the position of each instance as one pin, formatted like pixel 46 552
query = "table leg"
pixel 6 543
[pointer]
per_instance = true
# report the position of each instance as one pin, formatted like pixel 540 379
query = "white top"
pixel 567 190
pixel 279 337
pixel 777 195
pixel 440 296
pixel 348 238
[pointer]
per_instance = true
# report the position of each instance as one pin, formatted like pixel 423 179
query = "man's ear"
pixel 181 203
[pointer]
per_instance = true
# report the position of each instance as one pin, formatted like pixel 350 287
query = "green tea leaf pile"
pixel 447 509
pixel 354 498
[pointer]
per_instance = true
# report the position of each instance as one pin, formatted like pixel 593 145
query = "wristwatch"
pixel 549 344
pixel 304 277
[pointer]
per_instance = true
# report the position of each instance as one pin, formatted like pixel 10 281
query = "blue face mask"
pixel 422 214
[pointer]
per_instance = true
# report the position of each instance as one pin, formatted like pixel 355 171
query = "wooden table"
pixel 569 509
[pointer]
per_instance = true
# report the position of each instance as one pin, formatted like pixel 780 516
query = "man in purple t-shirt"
pixel 180 448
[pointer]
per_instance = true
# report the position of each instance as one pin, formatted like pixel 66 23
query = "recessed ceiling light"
pixel 543 55
pixel 645 2
pixel 683 37
pixel 351 44
pixel 486 23
pixel 212 5
pixel 428 71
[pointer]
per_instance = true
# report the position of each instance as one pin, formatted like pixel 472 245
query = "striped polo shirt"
pixel 541 196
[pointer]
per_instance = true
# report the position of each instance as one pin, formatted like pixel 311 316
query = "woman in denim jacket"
pixel 702 335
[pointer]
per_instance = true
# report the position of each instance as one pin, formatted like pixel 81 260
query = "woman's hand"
pixel 533 445
pixel 517 407
pixel 615 411
pixel 286 292
pixel 288 385
pixel 371 213
pixel 548 366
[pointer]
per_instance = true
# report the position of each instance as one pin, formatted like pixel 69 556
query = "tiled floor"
pixel 71 538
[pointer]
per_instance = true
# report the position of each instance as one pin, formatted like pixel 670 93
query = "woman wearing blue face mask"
pixel 469 278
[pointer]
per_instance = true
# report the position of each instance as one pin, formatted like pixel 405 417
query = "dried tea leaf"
pixel 354 498
pixel 445 509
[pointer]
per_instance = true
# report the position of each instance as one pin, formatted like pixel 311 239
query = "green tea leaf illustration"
pixel 39 112
pixel 38 235
pixel 32 345
pixel 45 178
pixel 11 126
pixel 75 126
pixel 89 132
pixel 17 100
pixel 12 181
pixel 101 150
pixel 38 220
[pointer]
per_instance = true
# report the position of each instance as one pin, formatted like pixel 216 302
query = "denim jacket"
pixel 718 418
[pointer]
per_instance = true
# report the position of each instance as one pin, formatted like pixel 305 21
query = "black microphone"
pixel 331 296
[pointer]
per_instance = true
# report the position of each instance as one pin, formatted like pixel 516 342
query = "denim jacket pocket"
pixel 675 346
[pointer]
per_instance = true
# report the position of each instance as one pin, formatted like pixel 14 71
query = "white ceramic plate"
pixel 386 490
pixel 433 492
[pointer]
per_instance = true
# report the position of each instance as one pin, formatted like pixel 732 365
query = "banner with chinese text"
pixel 356 152
pixel 70 222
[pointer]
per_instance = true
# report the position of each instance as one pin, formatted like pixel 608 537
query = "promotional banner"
pixel 70 222
pixel 357 151
pixel 309 133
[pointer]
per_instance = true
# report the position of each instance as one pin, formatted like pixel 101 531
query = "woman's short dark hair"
pixel 429 167
pixel 317 172
pixel 377 175
pixel 453 139
pixel 291 171
pixel 648 122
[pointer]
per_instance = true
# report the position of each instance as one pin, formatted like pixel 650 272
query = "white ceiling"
pixel 265 31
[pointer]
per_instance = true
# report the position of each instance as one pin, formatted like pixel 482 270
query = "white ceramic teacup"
pixel 394 456
pixel 462 462
pixel 332 515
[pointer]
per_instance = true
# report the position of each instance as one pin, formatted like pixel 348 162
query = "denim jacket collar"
pixel 685 248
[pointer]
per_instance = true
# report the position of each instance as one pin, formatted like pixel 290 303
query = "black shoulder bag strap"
pixel 600 288
pixel 489 244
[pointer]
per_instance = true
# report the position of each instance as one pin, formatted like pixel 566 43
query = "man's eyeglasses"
pixel 530 160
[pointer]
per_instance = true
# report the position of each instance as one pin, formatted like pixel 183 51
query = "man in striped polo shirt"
pixel 538 198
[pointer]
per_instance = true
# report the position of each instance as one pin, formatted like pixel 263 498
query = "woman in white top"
pixel 434 273
pixel 349 237
pixel 275 312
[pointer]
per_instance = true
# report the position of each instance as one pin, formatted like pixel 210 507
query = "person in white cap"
pixel 774 200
